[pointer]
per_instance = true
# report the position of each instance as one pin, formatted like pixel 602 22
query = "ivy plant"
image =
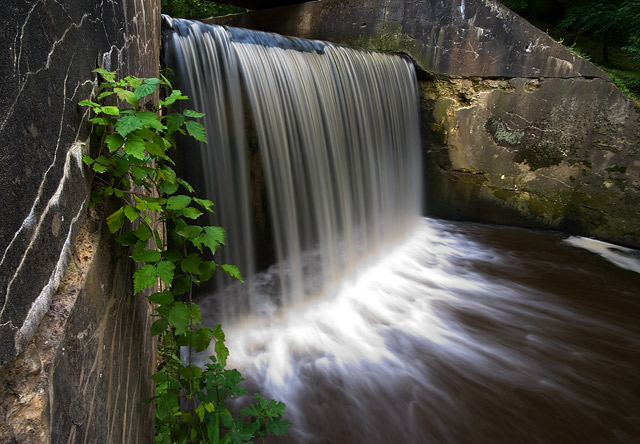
pixel 156 222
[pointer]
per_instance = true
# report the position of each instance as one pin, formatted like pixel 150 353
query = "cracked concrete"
pixel 50 49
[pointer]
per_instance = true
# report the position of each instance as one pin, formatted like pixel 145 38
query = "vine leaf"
pixel 178 202
pixel 192 113
pixel 144 277
pixel 179 316
pixel 213 237
pixel 159 326
pixel 204 203
pixel 128 124
pixel 202 338
pixel 131 212
pixel 146 256
pixel 166 271
pixel 115 220
pixel 191 264
pixel 174 122
pixel 191 213
pixel 162 298
pixel 196 130
pixel 222 352
pixel 114 141
pixel 144 90
pixel 134 146
pixel 110 110
pixel 232 271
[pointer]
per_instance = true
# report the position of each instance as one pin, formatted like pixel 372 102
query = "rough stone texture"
pixel 259 4
pixel 517 128
pixel 535 152
pixel 448 37
pixel 84 375
pixel 50 48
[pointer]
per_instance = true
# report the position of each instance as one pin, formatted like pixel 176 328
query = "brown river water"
pixel 461 333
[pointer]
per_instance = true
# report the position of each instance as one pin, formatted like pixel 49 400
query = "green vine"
pixel 156 222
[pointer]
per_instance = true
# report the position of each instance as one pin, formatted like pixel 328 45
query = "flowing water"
pixel 461 333
pixel 376 325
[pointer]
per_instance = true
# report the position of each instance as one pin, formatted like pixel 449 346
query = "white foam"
pixel 623 257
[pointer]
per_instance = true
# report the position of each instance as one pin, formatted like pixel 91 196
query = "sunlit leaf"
pixel 131 212
pixel 196 130
pixel 127 124
pixel 115 219
pixel 232 271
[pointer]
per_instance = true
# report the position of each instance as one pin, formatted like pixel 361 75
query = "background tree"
pixel 197 9
pixel 607 31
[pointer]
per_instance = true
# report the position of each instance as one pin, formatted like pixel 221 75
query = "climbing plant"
pixel 155 221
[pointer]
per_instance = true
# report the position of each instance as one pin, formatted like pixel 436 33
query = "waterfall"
pixel 459 333
pixel 338 148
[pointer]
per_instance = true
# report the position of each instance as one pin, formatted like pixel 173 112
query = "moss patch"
pixel 502 134
pixel 540 155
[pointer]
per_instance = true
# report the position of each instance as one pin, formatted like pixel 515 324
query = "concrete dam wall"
pixel 517 129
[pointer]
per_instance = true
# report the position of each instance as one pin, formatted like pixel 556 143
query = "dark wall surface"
pixel 50 48
pixel 75 352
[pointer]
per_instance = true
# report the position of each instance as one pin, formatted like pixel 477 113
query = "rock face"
pixel 517 129
pixel 84 375
pixel 50 48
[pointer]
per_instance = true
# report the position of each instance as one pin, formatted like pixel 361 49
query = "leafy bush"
pixel 157 225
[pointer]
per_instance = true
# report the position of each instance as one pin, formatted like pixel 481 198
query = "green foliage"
pixel 155 223
pixel 608 32
pixel 197 9
pixel 633 48
pixel 515 5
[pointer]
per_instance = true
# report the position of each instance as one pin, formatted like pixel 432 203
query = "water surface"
pixel 461 333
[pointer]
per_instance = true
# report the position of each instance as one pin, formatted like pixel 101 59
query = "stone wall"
pixel 517 129
pixel 70 366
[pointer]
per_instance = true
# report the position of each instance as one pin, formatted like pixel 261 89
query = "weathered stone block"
pixel 84 375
